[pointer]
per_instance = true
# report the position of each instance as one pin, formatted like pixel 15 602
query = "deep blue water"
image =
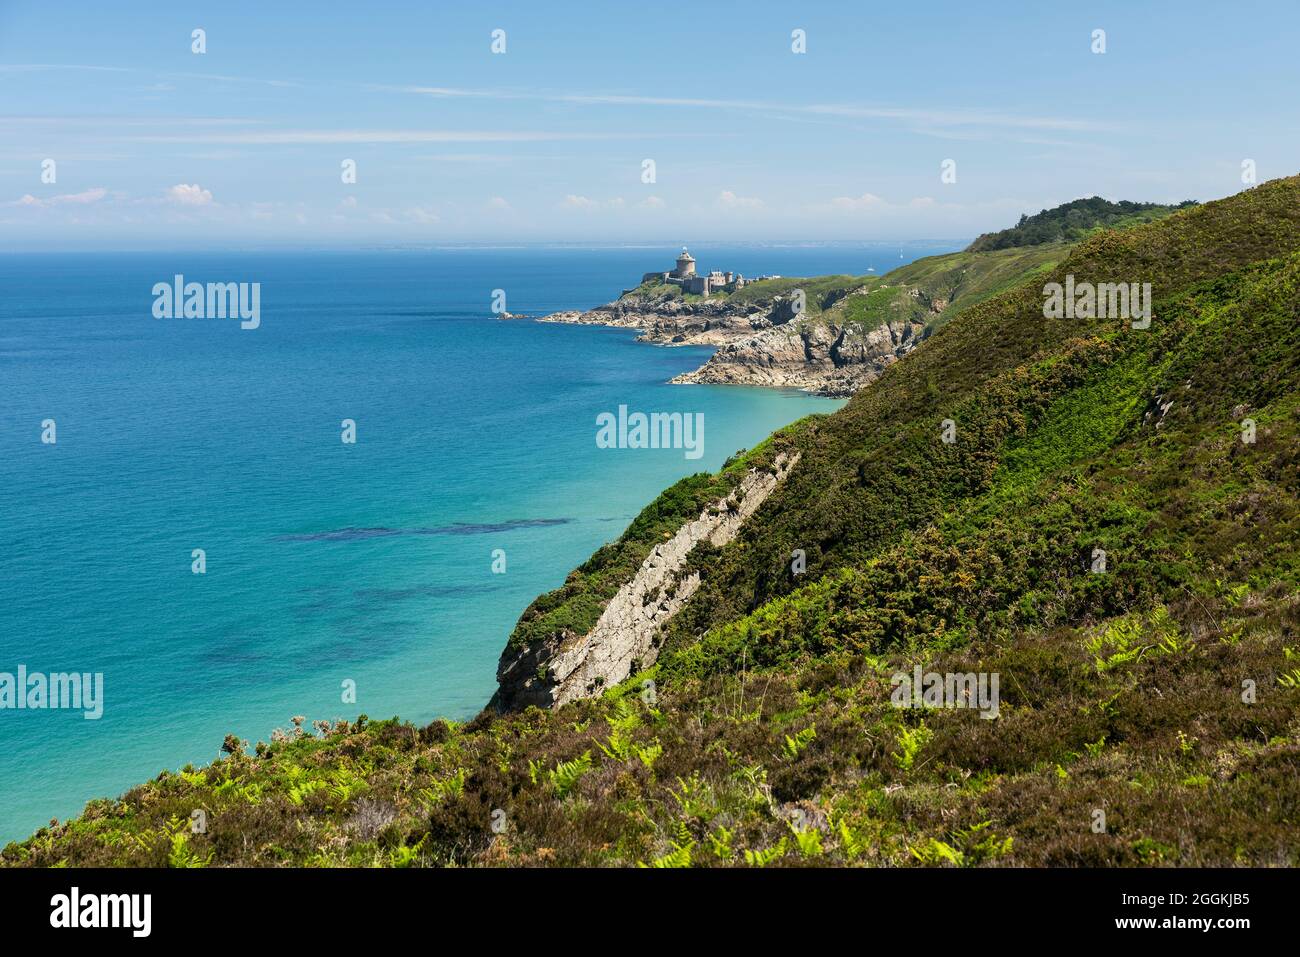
pixel 326 562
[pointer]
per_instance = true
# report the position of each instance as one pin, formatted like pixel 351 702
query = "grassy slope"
pixel 875 472
pixel 961 278
pixel 992 263
pixel 770 738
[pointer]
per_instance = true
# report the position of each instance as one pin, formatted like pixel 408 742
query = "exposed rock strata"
pixel 764 344
pixel 824 358
pixel 567 667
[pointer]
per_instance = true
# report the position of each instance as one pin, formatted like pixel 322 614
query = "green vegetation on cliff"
pixel 573 608
pixel 877 471
pixel 1149 704
pixel 932 290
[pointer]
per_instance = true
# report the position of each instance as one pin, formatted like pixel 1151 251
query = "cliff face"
pixel 825 358
pixel 828 335
pixel 761 346
pixel 763 342
pixel 1174 449
pixel 562 668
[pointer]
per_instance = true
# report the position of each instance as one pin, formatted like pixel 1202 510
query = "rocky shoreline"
pixel 760 343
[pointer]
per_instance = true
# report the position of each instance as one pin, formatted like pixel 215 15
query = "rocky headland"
pixel 761 340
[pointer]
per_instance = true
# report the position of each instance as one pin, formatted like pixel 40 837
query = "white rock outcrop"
pixel 625 633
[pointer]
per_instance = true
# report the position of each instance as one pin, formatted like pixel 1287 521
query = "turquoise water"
pixel 326 562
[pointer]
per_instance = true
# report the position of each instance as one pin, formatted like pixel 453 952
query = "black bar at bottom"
pixel 918 905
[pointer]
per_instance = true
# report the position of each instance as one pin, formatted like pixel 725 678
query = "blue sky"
pixel 155 145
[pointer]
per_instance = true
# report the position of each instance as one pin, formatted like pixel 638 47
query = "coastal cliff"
pixel 563 667
pixel 669 321
pixel 762 340
pixel 1162 688
pixel 828 335
pixel 824 358
pixel 831 335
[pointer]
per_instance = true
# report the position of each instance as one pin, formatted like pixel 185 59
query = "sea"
pixel 180 512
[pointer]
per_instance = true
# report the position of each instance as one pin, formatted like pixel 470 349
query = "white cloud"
pixel 870 201
pixel 33 67
pixel 582 202
pixel 651 202
pixel 187 194
pixel 729 200
pixel 497 202
pixel 922 117
pixel 855 203
pixel 84 198
pixel 478 159
pixel 411 215
pixel 37 67
pixel 421 214
pixel 919 215
pixel 290 137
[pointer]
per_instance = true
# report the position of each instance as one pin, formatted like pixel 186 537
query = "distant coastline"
pixel 762 329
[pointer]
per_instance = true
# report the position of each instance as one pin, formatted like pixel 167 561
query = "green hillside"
pixel 958 279
pixel 934 289
pixel 1149 706
pixel 927 291
pixel 1072 221
pixel 875 470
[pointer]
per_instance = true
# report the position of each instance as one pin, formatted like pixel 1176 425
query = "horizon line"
pixel 412 246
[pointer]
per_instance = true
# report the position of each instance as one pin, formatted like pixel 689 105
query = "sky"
pixel 621 122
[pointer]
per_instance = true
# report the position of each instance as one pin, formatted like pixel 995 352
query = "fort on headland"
pixel 684 275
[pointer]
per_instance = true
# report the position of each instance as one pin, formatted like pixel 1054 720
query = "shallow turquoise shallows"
pixel 326 562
